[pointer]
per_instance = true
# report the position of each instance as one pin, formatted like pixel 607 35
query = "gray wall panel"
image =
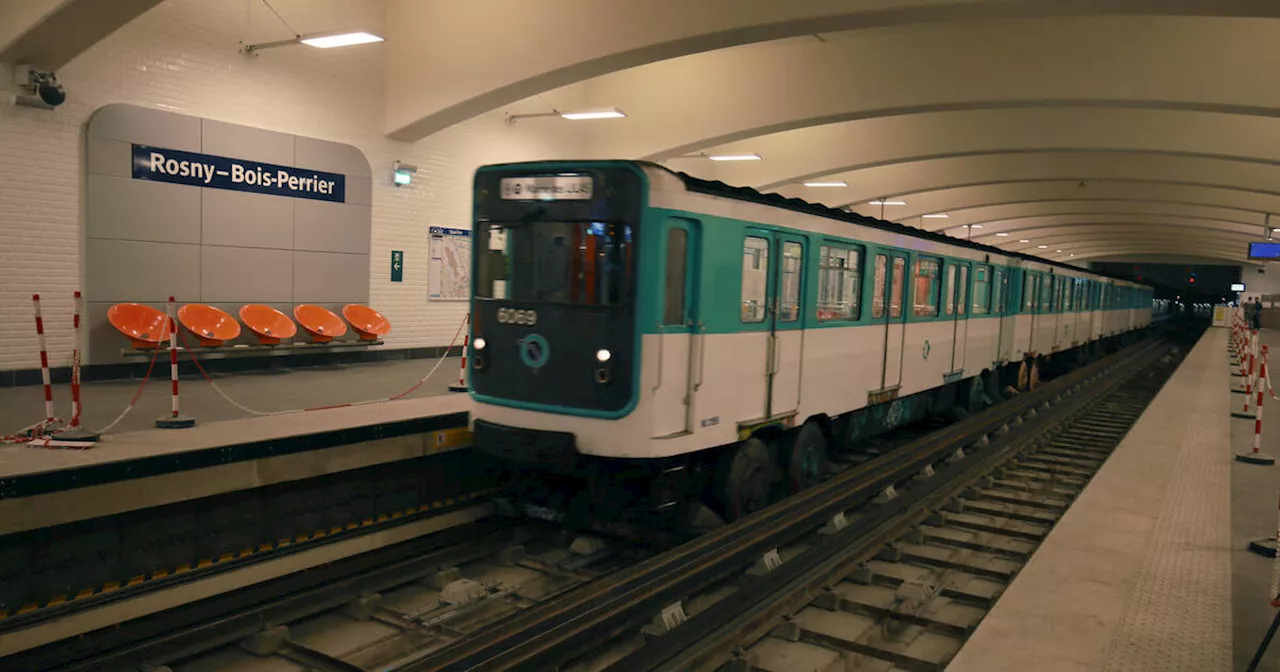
pixel 320 277
pixel 333 157
pixel 246 275
pixel 141 272
pixel 147 239
pixel 145 126
pixel 360 190
pixel 108 157
pixel 127 209
pixel 330 227
pixel 247 220
pixel 244 142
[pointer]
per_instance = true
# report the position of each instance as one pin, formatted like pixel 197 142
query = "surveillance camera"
pixel 38 88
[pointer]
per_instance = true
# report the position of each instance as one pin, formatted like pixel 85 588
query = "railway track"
pixel 891 563
pixel 921 540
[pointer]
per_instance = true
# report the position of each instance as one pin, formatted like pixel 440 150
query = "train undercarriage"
pixel 706 489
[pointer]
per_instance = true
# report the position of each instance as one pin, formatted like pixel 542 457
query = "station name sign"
pixel 219 172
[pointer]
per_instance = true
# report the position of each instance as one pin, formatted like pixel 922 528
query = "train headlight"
pixel 479 343
pixel 603 355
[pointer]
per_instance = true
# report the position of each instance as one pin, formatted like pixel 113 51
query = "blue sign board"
pixel 1266 250
pixel 397 266
pixel 219 172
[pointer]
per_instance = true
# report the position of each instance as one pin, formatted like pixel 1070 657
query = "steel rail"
pixel 554 631
pixel 707 639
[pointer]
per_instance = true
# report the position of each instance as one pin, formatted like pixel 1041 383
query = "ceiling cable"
pixel 286 23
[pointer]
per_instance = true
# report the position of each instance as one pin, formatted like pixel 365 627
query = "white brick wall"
pixel 182 56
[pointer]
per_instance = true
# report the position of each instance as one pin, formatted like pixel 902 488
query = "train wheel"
pixel 746 484
pixel 806 457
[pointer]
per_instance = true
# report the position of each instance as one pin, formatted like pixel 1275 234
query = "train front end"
pixel 554 366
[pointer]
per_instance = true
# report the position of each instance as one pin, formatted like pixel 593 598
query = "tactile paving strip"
pixel 1178 616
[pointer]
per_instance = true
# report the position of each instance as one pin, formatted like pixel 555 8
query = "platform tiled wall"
pixel 182 56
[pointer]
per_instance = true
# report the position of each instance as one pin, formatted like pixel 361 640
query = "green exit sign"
pixel 397 266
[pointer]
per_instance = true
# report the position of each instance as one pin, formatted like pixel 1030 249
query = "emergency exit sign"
pixel 397 266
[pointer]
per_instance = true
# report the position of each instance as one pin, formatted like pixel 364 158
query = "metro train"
pixel 662 340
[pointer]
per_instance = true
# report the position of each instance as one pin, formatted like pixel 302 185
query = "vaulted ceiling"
pixel 1095 129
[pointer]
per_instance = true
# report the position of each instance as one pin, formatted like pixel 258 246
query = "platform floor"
pixel 1138 574
pixel 273 390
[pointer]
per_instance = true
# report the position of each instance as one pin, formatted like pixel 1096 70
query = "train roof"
pixel 718 188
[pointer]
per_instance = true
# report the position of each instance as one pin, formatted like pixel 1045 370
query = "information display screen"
pixel 1264 250
pixel 1237 286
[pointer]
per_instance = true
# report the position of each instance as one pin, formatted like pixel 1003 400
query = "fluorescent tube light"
pixel 734 157
pixel 886 203
pixel 1002 234
pixel 342 40
pixel 826 184
pixel 607 113
pixel 1043 247
pixel 940 215
pixel 1024 240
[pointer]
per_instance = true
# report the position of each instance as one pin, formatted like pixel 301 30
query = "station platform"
pixel 228 449
pixel 1138 575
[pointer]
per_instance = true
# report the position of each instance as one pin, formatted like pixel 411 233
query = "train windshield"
pixel 575 263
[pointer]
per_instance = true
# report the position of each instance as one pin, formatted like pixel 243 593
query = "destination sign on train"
pixel 555 188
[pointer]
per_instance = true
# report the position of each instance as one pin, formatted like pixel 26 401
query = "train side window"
pixel 895 293
pixel 677 244
pixel 792 267
pixel 755 278
pixel 925 298
pixel 1046 294
pixel 952 289
pixel 838 283
pixel 1000 290
pixel 877 290
pixel 1029 288
pixel 962 292
pixel 981 290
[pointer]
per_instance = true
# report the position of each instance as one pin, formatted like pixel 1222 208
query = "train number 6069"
pixel 513 316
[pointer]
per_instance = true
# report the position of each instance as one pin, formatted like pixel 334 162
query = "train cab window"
pixel 792 268
pixel 580 263
pixel 878 288
pixel 755 278
pixel 838 283
pixel 895 291
pixel 677 244
pixel 926 291
pixel 981 290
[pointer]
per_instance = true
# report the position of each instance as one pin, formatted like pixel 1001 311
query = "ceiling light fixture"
pixel 1024 240
pixel 1043 247
pixel 321 41
pixel 886 202
pixel 973 226
pixel 940 215
pixel 606 113
pixel 596 113
pixel 1002 234
pixel 734 157
pixel 840 183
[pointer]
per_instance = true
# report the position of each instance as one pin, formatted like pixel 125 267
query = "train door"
pixel 1006 314
pixel 886 307
pixel 679 330
pixel 1031 305
pixel 958 297
pixel 779 266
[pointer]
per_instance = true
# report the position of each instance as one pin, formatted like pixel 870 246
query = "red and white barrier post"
pixel 44 363
pixel 1256 456
pixel 1250 380
pixel 174 420
pixel 75 431
pixel 461 385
